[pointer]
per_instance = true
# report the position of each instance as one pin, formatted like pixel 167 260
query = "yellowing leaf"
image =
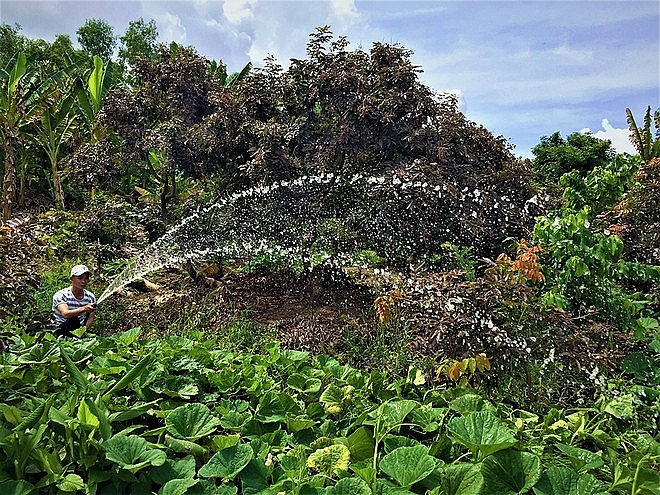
pixel 329 459
pixel 455 371
pixel 482 362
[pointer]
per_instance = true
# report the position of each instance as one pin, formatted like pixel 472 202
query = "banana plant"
pixel 57 120
pixel 646 145
pixel 90 94
pixel 25 96
pixel 90 90
pixel 219 71
pixel 11 122
pixel 53 129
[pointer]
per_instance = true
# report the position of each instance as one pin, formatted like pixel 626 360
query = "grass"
pixel 383 348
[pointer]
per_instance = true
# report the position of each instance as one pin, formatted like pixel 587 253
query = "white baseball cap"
pixel 79 270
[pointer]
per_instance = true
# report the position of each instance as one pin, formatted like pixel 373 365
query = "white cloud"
pixel 170 28
pixel 237 11
pixel 573 56
pixel 345 9
pixel 507 77
pixel 620 138
pixel 284 32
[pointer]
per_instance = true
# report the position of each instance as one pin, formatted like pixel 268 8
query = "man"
pixel 74 306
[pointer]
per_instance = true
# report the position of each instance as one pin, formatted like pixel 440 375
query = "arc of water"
pixel 390 213
pixel 166 252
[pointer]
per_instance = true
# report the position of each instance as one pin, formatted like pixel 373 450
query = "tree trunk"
pixel 21 190
pixel 58 192
pixel 163 193
pixel 9 181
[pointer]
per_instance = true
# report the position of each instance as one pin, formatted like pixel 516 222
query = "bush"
pixel 554 156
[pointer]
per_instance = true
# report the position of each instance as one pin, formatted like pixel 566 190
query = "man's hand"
pixel 90 307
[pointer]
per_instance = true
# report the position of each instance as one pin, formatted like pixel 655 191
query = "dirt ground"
pixel 302 312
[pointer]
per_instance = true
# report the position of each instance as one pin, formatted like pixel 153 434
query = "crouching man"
pixel 74 306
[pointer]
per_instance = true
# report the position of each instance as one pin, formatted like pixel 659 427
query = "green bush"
pixel 554 156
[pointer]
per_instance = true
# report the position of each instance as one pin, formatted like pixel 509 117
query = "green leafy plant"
pixel 481 432
pixel 585 268
pixel 269 261
pixel 456 257
pixel 555 156
pixel 602 187
pixel 181 414
pixel 647 145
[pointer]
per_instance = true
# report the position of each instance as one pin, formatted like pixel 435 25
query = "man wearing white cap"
pixel 74 306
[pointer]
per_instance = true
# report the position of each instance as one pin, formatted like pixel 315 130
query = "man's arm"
pixel 67 313
pixel 90 317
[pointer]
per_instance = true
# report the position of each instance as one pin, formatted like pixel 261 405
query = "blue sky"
pixel 523 69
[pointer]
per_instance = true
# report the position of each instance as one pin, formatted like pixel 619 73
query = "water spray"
pixel 336 214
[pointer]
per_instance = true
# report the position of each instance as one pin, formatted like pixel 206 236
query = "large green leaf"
pixel 298 423
pixel 408 465
pixel 13 487
pixel 648 445
pixel 221 490
pixel 191 421
pixel 207 487
pixel 174 469
pixel 294 463
pixel 185 446
pixel 481 432
pixel 17 72
pixel 99 409
pixel 463 478
pixel 132 412
pixel 428 418
pixel 228 462
pixel 361 444
pixel 86 416
pixel 391 414
pixel 221 442
pixel 131 453
pixel 128 378
pixel 582 460
pixel 365 471
pixel 254 477
pixel 565 481
pixel 40 354
pixel 302 383
pixel 75 375
pixel 177 486
pixel 234 421
pixel 177 386
pixel 638 364
pixel 391 442
pixel 467 403
pixel 621 407
pixel 510 472
pixel 38 416
pixel 293 356
pixel 270 408
pixel 332 398
pixel 387 487
pixel 128 337
pixel 71 483
pixel 95 83
pixel 350 486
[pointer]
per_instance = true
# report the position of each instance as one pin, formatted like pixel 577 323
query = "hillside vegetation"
pixel 358 290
